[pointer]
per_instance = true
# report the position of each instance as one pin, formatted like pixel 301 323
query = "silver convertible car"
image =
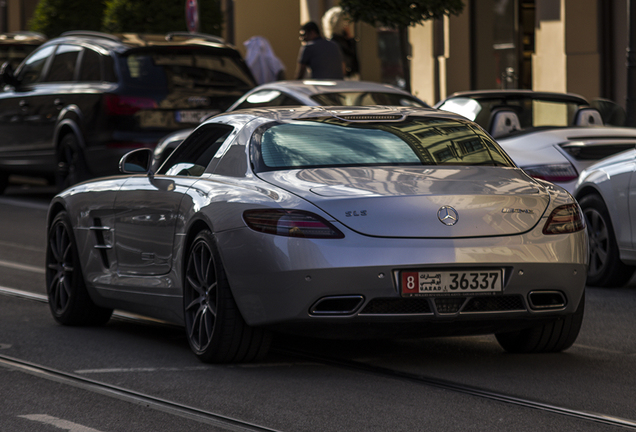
pixel 343 222
pixel 552 136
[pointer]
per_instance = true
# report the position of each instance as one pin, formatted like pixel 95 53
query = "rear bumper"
pixel 283 282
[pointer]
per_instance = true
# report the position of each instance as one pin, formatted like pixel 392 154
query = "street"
pixel 139 375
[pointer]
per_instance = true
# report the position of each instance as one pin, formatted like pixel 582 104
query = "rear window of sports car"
pixel 331 142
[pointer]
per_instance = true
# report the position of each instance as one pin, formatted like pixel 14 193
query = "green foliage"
pixel 159 16
pixel 399 13
pixel 53 17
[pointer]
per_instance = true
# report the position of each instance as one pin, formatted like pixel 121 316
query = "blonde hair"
pixel 334 21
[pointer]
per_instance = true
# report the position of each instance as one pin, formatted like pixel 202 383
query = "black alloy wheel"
pixel 71 167
pixel 605 267
pixel 69 300
pixel 215 328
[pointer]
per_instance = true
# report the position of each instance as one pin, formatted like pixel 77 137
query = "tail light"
pixel 290 223
pixel 127 105
pixel 565 219
pixel 553 173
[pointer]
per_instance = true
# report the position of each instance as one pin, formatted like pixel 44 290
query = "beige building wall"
pixel 457 64
pixel 423 62
pixel 567 57
pixel 19 12
pixel 582 48
pixel 549 60
pixel 276 20
pixel 368 59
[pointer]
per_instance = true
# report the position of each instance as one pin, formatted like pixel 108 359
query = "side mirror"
pixel 7 76
pixel 136 162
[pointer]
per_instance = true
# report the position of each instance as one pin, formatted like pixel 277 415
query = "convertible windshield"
pixel 416 141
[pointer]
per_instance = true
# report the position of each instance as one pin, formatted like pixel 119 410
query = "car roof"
pixel 519 93
pixel 312 87
pixel 349 113
pixel 128 41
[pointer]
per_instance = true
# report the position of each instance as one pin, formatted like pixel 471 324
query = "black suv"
pixel 82 100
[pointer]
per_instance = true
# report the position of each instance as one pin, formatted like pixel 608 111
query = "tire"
pixel 69 300
pixel 4 182
pixel 215 328
pixel 605 268
pixel 555 336
pixel 71 167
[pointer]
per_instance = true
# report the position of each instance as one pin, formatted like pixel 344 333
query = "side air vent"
pixel 102 240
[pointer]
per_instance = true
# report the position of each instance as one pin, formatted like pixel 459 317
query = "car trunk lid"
pixel 415 202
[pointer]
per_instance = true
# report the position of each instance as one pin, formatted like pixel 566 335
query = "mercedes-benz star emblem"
pixel 447 215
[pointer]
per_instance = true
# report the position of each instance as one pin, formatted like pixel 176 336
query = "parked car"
pixel 15 46
pixel 552 136
pixel 79 102
pixel 306 93
pixel 344 222
pixel 605 192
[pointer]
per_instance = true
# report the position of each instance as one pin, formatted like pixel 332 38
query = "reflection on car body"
pixel 322 221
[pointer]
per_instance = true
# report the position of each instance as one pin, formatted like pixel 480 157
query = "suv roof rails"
pixel 208 37
pixel 91 34
pixel 23 35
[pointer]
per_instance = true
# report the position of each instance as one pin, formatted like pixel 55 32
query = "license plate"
pixel 444 283
pixel 193 116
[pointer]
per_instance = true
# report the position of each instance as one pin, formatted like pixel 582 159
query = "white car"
pixel 326 93
pixel 552 136
pixel 605 192
pixel 306 93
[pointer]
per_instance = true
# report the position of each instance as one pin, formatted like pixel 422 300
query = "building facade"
pixel 576 46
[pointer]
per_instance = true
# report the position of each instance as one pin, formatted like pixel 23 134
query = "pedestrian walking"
pixel 262 61
pixel 337 28
pixel 321 56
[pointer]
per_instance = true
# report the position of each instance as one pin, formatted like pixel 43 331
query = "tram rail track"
pixel 238 425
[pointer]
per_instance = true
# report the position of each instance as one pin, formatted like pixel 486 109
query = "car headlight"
pixel 553 173
pixel 565 219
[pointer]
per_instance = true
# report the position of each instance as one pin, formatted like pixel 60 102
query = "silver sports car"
pixel 342 222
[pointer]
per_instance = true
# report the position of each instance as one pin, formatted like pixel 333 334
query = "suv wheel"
pixel 71 168
pixel 4 181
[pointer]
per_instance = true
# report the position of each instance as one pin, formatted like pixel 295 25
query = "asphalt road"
pixel 135 375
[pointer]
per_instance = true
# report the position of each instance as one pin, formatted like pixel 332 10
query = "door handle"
pixel 58 102
pixel 24 105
